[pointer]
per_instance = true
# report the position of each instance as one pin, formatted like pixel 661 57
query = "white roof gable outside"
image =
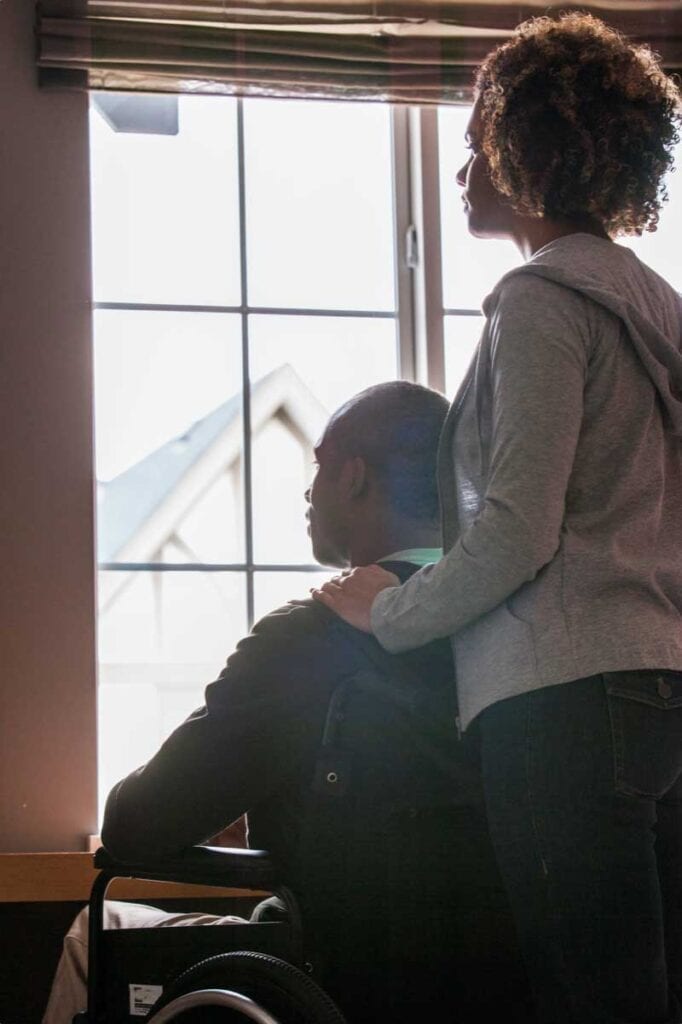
pixel 142 507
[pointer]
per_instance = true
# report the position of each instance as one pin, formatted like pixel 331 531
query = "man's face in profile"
pixel 326 507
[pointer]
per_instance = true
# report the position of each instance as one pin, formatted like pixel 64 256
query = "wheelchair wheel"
pixel 278 991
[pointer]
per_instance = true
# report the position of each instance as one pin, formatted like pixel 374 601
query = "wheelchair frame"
pixel 201 865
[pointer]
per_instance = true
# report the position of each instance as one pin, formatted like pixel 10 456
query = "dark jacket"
pixel 393 866
pixel 253 746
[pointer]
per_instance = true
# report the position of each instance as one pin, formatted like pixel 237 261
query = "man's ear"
pixel 355 473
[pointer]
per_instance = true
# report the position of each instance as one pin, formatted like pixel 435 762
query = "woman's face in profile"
pixel 487 215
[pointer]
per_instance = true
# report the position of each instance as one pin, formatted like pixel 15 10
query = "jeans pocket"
pixel 645 709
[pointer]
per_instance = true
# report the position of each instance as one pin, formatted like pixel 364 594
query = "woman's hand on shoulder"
pixel 352 594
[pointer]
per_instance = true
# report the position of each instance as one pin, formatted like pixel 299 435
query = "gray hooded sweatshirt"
pixel 560 471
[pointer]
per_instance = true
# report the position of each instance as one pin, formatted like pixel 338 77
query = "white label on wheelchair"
pixel 142 998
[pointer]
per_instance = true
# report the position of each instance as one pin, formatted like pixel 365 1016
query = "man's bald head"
pixel 375 490
pixel 395 428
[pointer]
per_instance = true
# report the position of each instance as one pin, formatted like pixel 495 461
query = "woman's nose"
pixel 461 176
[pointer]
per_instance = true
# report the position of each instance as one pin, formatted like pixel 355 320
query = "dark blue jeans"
pixel 584 792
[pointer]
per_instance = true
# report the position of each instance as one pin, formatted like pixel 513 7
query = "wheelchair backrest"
pixel 394 793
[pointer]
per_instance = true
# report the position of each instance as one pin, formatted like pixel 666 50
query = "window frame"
pixel 418 314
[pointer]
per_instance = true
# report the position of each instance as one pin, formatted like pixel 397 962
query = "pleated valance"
pixel 411 51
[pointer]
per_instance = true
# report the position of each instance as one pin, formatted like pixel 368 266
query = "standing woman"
pixel 561 487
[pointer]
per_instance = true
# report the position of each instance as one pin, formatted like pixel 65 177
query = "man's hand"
pixel 351 595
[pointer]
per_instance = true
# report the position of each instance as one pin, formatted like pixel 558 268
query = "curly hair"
pixel 577 122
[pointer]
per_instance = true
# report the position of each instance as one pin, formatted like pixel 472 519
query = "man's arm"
pixel 257 733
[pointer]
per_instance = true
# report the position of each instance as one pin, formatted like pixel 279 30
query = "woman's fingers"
pixel 330 587
pixel 349 608
pixel 352 594
pixel 324 596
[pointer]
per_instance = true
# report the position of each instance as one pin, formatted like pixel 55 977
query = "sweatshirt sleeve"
pixel 538 362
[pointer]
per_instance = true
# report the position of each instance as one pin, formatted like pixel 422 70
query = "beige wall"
pixel 47 655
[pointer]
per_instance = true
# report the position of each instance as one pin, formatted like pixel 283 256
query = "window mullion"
pixel 246 377
pixel 427 278
pixel 404 232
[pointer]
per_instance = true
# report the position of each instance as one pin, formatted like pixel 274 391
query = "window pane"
pixel 318 205
pixel 302 369
pixel 661 248
pixel 274 589
pixel 461 338
pixel 163 636
pixel 471 266
pixel 169 436
pixel 165 209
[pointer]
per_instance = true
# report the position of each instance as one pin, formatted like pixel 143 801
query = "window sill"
pixel 65 877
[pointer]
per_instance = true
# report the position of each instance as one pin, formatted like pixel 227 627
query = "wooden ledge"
pixel 62 877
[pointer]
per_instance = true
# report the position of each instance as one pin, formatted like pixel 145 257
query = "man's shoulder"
pixel 291 648
pixel 306 631
pixel 303 644
pixel 307 624
pixel 306 621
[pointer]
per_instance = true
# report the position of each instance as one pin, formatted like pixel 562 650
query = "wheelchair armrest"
pixel 200 865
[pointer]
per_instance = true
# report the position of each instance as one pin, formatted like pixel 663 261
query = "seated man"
pixel 253 747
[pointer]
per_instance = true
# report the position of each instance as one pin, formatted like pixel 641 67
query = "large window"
pixel 245 286
pixel 254 268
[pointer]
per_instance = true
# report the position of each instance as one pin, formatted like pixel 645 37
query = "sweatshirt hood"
pixel 613 276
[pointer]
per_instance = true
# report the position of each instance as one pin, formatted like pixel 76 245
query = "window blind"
pixel 407 51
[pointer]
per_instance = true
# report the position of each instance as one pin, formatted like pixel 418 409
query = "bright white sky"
pixel 165 230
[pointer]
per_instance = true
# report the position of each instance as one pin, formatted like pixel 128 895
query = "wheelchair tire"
pixel 279 988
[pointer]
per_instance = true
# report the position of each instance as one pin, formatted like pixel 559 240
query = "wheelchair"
pixel 233 972
pixel 396 910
